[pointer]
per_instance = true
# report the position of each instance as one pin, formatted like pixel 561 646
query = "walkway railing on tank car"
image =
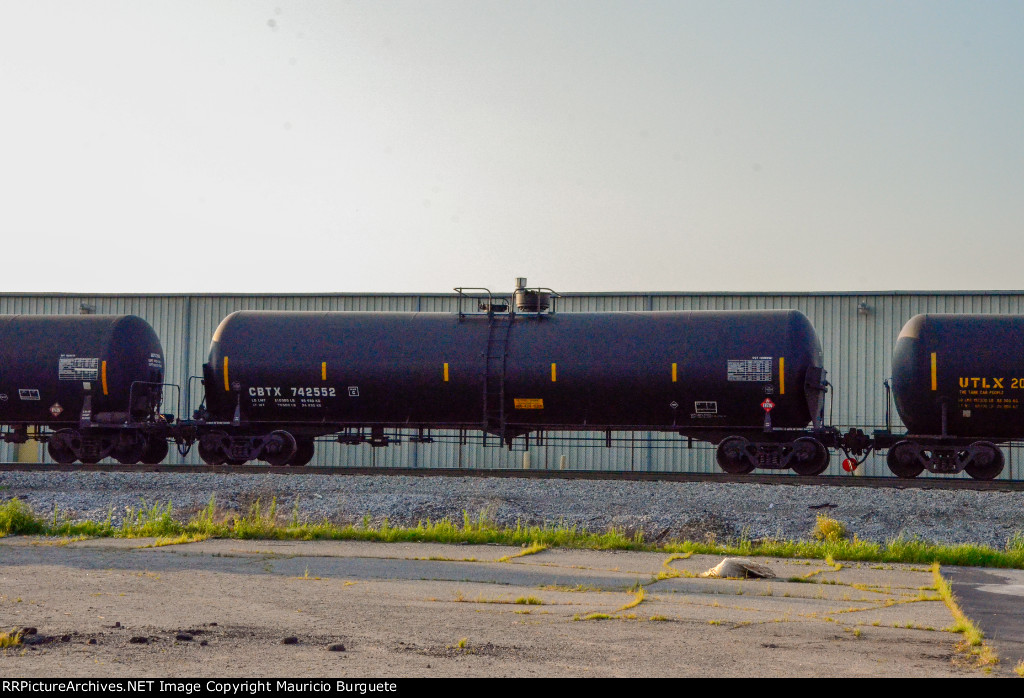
pixel 503 304
pixel 483 309
pixel 551 295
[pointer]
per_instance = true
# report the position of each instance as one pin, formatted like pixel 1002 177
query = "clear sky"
pixel 589 145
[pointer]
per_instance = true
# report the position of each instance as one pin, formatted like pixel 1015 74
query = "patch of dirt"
pixel 486 649
pixel 374 609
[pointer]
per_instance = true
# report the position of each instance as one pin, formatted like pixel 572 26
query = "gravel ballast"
pixel 662 510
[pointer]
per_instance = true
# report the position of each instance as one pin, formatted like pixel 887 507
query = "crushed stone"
pixel 662 511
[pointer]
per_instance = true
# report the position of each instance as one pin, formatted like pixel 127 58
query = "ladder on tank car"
pixel 498 331
pixel 532 303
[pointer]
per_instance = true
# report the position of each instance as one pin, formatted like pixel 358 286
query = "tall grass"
pixel 265 522
pixel 158 521
pixel 17 517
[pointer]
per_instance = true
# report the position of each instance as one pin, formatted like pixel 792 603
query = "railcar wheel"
pixel 732 456
pixel 130 449
pixel 210 456
pixel 304 451
pixel 155 451
pixel 59 446
pixel 279 448
pixel 810 457
pixel 987 461
pixel 903 460
pixel 211 448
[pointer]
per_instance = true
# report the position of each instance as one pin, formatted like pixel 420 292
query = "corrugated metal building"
pixel 857 332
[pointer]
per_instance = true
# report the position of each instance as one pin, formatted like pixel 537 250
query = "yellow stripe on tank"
pixel 782 375
pixel 446 373
pixel 935 372
pixel 675 373
pixel 323 370
pixel 554 373
pixel 103 376
pixel 227 383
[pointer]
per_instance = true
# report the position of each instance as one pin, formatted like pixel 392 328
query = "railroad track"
pixel 760 479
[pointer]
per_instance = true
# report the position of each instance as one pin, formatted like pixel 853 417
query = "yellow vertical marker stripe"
pixel 323 370
pixel 782 376
pixel 935 373
pixel 446 373
pixel 554 373
pixel 227 383
pixel 675 373
pixel 103 376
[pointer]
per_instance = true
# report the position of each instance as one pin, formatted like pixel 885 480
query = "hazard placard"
pixel 767 405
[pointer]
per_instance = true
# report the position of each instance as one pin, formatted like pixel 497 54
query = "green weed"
pixel 563 587
pixel 637 599
pixel 17 518
pixel 532 549
pixel 1016 542
pixel 10 639
pixel 671 572
pixel 828 529
pixel 973 638
pixel 259 522
pixel 175 540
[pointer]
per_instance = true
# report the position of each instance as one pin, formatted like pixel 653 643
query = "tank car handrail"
pixel 552 291
pixel 461 289
pixel 156 408
pixel 552 295
pixel 490 299
pixel 189 393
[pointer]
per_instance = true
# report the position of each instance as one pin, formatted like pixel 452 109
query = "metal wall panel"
pixel 857 343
